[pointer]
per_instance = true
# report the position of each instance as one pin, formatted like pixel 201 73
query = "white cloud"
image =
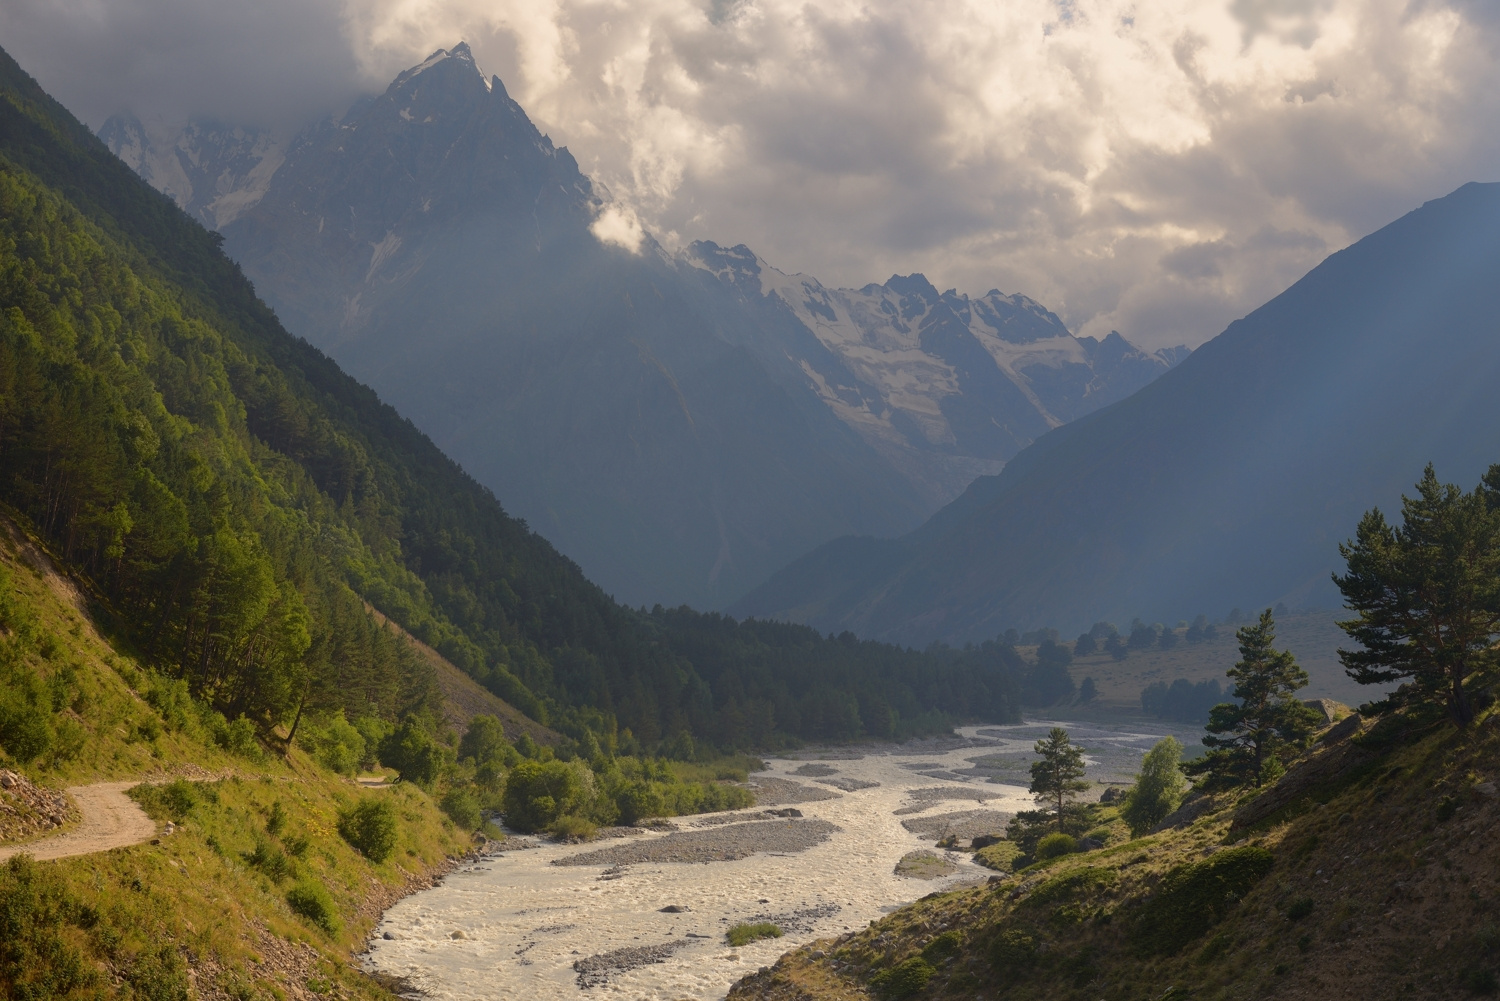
pixel 618 225
pixel 1158 168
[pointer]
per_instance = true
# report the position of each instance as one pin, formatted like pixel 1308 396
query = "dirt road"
pixel 110 820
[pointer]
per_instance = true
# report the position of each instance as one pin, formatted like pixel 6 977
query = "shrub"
pixel 411 750
pixel 37 956
pixel 1072 885
pixel 1196 896
pixel 276 819
pixel 904 979
pixel 746 932
pixel 1299 909
pixel 25 716
pixel 1013 952
pixel 538 792
pixel 370 826
pixel 158 975
pixel 312 900
pixel 270 860
pixel 334 743
pixel 173 801
pixel 484 741
pixel 942 947
pixel 237 737
pixel 462 807
pixel 1055 846
pixel 573 828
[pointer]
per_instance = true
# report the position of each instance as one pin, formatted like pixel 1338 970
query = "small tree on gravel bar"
pixel 1056 777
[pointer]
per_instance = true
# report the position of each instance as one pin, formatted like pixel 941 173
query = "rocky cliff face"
pixel 681 426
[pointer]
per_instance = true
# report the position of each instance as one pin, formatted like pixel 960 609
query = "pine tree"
pixel 1245 735
pixel 1426 595
pixel 1057 775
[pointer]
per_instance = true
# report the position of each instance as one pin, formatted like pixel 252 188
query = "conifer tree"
pixel 1245 735
pixel 1426 595
pixel 1056 777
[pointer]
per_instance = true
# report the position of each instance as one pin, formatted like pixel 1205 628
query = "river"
pixel 517 926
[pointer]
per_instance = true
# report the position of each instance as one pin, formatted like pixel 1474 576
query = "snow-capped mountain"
pixel 681 426
pixel 946 387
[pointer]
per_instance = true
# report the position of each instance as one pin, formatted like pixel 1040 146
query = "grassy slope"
pixel 1389 847
pixel 223 918
pixel 1312 636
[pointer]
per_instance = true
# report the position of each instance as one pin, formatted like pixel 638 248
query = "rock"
pixel 675 909
pixel 457 934
pixel 8 779
pixel 389 937
pixel 1112 795
pixel 788 812
pixel 1330 710
pixel 817 954
pixel 1089 844
pixel 1486 789
pixel 985 840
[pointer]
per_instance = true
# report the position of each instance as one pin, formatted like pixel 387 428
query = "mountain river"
pixel 516 925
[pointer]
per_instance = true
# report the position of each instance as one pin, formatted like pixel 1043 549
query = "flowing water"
pixel 517 926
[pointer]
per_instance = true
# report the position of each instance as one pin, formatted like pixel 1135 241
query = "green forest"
pixel 235 501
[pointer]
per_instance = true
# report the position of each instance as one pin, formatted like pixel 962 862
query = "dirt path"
pixel 110 820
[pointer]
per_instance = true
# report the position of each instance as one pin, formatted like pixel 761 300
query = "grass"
pixel 255 865
pixel 1215 913
pixel 746 932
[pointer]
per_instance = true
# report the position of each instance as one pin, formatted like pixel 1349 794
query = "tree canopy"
pixel 1426 594
pixel 1057 775
pixel 1244 736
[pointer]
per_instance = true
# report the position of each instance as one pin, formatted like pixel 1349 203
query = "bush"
pixel 312 900
pixel 158 975
pixel 25 714
pixel 370 826
pixel 270 860
pixel 37 957
pixel 998 856
pixel 173 801
pixel 484 741
pixel 538 792
pixel 1013 952
pixel 745 932
pixel 237 737
pixel 572 828
pixel 411 750
pixel 942 947
pixel 462 807
pixel 904 979
pixel 334 743
pixel 1196 896
pixel 1299 909
pixel 1055 846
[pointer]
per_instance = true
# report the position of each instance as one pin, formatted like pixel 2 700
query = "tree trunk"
pixel 1458 699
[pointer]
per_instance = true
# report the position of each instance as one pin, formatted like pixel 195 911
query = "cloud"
pixel 1154 168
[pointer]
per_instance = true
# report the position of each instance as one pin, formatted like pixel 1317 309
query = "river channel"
pixel 517 925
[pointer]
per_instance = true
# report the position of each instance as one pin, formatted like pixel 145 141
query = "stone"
pixel 675 909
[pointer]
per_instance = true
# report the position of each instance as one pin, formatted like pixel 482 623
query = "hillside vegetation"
pixel 234 502
pixel 1368 871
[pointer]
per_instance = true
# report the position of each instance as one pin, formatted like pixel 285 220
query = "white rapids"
pixel 513 925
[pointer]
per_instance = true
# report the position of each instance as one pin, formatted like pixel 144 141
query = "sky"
pixel 1159 169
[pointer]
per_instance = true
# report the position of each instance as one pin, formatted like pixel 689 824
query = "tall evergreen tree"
pixel 1057 776
pixel 1245 735
pixel 1426 595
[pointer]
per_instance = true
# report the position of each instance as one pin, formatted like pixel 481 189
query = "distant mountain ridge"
pixel 1229 481
pixel 679 425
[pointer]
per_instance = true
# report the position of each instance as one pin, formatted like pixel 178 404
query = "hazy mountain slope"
pixel 680 427
pixel 236 500
pixel 945 387
pixel 439 247
pixel 1229 481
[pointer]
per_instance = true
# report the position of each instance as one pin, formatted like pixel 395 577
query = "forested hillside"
pixel 234 500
